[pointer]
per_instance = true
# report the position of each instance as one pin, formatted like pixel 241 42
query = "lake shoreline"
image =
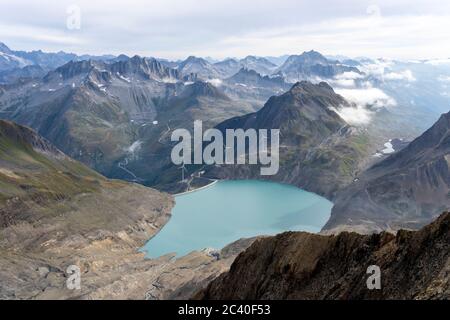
pixel 235 209
pixel 198 189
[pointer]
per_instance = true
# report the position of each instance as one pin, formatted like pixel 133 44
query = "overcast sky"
pixel 402 29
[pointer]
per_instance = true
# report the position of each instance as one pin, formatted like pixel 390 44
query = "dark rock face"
pixel 413 264
pixel 203 89
pixel 146 68
pixel 27 72
pixel 319 151
pixel 408 189
pixel 252 78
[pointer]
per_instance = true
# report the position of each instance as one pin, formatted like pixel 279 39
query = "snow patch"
pixel 388 148
pixel 378 155
pixel 169 80
pixel 215 82
pixel 123 78
pixel 135 147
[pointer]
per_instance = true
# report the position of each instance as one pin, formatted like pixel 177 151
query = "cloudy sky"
pixel 401 29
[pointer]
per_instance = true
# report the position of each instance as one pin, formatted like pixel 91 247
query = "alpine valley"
pixel 86 176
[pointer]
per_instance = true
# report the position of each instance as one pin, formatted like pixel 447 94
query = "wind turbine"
pixel 183 169
pixel 265 138
pixel 226 150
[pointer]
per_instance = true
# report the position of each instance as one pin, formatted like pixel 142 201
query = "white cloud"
pixel 368 97
pixel 357 115
pixel 376 67
pixel 339 83
pixel 444 78
pixel 406 75
pixel 365 101
pixel 344 80
pixel 349 75
pixel 399 37
pixel 437 62
pixel 215 82
pixel 382 69
pixel 402 29
pixel 39 35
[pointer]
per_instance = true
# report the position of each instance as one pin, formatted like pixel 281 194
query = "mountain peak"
pixel 258 59
pixel 146 68
pixel 4 48
pixel 308 87
pixel 228 61
pixel 304 100
pixel 73 68
pixel 122 57
pixel 405 190
pixel 195 59
pixel 247 71
pixel 250 57
pixel 312 64
pixel 192 61
pixel 312 57
pixel 204 89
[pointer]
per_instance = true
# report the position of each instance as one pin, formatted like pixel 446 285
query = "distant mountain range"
pixel 10 59
pixel 345 126
pixel 226 68
pixel 116 115
pixel 350 77
pixel 294 68
pixel 95 111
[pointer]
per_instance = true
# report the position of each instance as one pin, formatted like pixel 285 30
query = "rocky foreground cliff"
pixel 413 265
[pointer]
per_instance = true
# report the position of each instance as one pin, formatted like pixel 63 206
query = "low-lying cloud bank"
pixel 369 97
pixel 358 89
pixel 357 115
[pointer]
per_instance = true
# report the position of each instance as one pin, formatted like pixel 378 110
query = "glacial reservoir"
pixel 229 210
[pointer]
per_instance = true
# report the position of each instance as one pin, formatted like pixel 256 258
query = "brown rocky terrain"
pixel 298 265
pixel 55 212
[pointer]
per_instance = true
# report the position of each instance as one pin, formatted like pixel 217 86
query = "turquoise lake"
pixel 229 210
